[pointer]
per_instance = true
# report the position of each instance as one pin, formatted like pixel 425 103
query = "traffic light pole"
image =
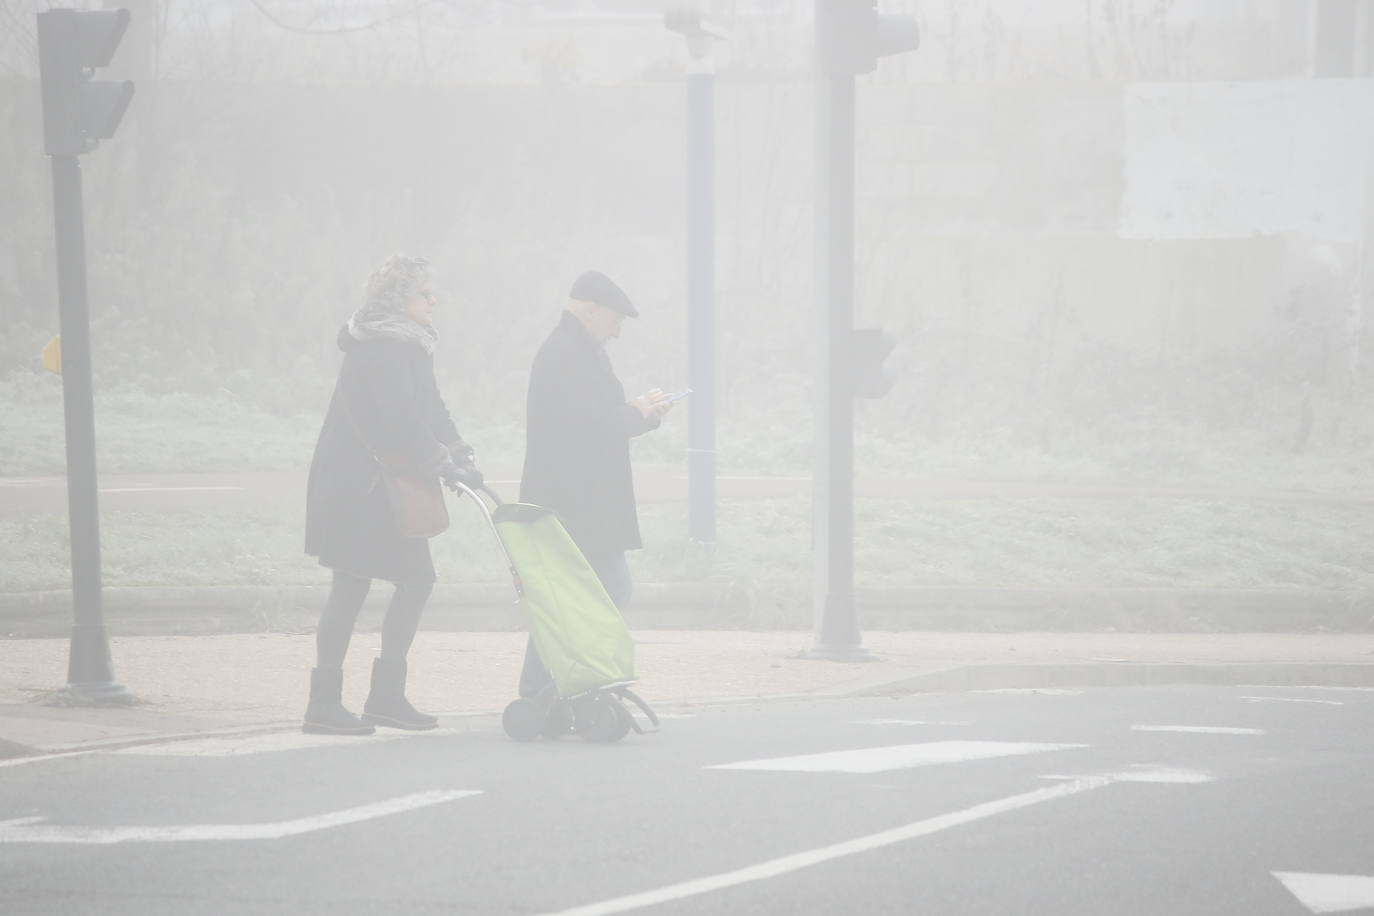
pixel 851 35
pixel 90 671
pixel 701 282
pixel 837 634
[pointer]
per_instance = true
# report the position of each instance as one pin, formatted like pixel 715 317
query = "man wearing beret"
pixel 577 440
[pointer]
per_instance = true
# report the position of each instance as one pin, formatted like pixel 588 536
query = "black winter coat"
pixel 386 401
pixel 577 441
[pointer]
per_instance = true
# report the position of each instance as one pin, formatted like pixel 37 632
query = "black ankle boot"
pixel 325 715
pixel 387 703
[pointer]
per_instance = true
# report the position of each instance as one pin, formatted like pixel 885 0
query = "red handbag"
pixel 416 501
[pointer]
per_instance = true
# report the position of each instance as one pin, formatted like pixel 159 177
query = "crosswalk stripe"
pixel 912 722
pixel 1198 729
pixel 1293 700
pixel 1330 893
pixel 242 746
pixel 32 830
pixel 896 757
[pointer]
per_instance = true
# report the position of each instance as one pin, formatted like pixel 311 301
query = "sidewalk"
pixel 194 684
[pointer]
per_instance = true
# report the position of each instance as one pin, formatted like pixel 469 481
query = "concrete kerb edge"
pixel 956 679
pixel 966 678
pixel 118 744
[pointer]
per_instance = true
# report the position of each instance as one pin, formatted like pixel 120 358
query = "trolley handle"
pixel 463 489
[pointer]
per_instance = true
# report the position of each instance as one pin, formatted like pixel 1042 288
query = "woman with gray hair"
pixel 386 405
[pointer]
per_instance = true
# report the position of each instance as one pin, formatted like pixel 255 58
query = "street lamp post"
pixel 701 271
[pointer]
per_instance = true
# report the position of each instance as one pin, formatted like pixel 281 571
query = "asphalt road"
pixel 1122 801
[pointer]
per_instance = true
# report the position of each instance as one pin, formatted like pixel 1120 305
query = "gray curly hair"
pixel 387 292
pixel 394 284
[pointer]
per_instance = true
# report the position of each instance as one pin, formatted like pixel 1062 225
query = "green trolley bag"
pixel 580 635
pixel 576 628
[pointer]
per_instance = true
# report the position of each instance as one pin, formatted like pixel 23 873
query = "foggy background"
pixel 1119 238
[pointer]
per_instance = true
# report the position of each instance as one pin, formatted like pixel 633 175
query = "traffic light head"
pixel 869 349
pixel 687 21
pixel 78 112
pixel 852 35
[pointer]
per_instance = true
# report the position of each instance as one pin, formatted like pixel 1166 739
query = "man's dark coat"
pixel 386 402
pixel 577 441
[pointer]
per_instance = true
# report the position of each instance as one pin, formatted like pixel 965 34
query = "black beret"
pixel 594 286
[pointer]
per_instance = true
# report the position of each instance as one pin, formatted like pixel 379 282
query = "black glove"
pixel 470 477
pixel 461 452
pixel 452 474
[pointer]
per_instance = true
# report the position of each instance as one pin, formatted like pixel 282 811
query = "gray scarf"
pixel 383 313
pixel 365 325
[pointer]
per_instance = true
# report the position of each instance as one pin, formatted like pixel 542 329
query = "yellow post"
pixel 52 356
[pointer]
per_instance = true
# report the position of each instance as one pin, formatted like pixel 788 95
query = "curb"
pixel 135 610
pixel 1124 674
pixel 9 750
pixel 963 679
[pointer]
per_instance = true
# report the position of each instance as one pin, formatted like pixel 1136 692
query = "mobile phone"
pixel 679 396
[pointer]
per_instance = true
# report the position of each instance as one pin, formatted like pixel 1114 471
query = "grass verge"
pixel 762 560
pixel 140 433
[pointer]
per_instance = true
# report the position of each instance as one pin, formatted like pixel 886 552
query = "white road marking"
pixel 39 758
pixel 1303 687
pixel 759 479
pixel 112 745
pixel 1169 775
pixel 1044 691
pixel 908 722
pixel 895 757
pixel 232 746
pixel 31 829
pixel 1293 700
pixel 1198 729
pixel 1148 773
pixel 167 489
pixel 1329 893
pixel 797 861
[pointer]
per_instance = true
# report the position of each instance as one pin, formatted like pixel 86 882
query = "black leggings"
pixel 346 597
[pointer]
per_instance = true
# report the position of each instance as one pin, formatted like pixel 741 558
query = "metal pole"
pixel 701 281
pixel 90 672
pixel 837 633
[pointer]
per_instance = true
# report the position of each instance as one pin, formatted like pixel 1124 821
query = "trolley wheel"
pixel 605 721
pixel 558 720
pixel 522 719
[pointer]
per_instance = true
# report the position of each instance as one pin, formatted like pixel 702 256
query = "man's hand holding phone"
pixel 656 402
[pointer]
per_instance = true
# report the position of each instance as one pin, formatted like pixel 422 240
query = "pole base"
pixel 826 653
pixel 701 551
pixel 107 694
